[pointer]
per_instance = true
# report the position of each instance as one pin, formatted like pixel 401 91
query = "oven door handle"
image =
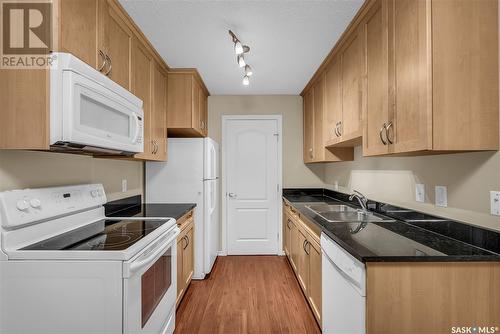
pixel 150 255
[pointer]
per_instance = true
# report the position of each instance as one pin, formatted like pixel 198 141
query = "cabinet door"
pixel 314 288
pixel 309 126
pixel 159 114
pixel 197 106
pixel 204 113
pixel 287 228
pixel 294 245
pixel 303 261
pixel 118 41
pixel 188 256
pixel 352 84
pixel 180 271
pixel 377 76
pixel 319 142
pixel 409 28
pixel 80 24
pixel 333 99
pixel 141 87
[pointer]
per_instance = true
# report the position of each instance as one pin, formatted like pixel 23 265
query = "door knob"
pixel 232 195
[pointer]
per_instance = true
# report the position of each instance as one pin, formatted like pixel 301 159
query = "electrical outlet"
pixel 495 203
pixel 441 196
pixel 124 185
pixel 420 192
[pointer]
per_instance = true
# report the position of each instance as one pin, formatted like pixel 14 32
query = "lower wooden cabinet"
pixel 185 255
pixel 302 247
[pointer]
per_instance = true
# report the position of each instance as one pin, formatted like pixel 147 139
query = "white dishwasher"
pixel 344 290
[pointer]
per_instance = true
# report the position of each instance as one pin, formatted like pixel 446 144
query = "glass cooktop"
pixel 104 235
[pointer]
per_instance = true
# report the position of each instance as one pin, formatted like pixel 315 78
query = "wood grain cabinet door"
pixel 318 140
pixel 180 269
pixel 159 114
pixel 333 99
pixel 188 256
pixel 118 40
pixel 352 57
pixel 197 106
pixel 303 262
pixel 309 126
pixel 409 28
pixel 80 24
pixel 294 245
pixel 141 87
pixel 314 290
pixel 287 228
pixel 377 80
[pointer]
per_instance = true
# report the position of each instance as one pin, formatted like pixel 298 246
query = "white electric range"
pixel 66 268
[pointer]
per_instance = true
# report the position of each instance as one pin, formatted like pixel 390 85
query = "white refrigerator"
pixel 191 175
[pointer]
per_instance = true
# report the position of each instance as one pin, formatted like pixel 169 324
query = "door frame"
pixel 279 120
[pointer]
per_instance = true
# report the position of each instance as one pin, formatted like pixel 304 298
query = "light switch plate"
pixel 441 196
pixel 420 192
pixel 495 202
pixel 124 185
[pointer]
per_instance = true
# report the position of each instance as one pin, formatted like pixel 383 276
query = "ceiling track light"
pixel 248 70
pixel 246 80
pixel 240 50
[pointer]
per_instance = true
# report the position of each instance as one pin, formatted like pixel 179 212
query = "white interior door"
pixel 252 186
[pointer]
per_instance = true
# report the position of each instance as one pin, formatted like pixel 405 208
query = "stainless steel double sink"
pixel 340 213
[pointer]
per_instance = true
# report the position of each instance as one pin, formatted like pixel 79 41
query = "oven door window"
pixel 155 282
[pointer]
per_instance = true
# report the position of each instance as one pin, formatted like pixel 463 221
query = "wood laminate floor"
pixel 246 294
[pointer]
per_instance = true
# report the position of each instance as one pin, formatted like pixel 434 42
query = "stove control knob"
pixel 22 205
pixel 93 193
pixel 35 203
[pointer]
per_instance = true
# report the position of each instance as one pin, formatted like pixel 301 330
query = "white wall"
pixel 28 169
pixel 295 173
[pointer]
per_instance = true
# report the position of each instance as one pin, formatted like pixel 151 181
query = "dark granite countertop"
pixel 414 236
pixel 132 207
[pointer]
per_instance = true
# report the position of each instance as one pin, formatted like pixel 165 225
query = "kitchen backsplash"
pixel 469 178
pixel 28 169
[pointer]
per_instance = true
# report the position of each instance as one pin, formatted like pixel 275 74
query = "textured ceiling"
pixel 288 39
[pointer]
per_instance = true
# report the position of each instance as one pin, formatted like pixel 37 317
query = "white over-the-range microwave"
pixel 90 112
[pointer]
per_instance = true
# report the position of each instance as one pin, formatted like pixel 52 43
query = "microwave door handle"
pixel 137 127
pixel 135 266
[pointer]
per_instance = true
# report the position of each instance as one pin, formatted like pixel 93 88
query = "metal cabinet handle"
pixel 380 134
pixel 389 125
pixel 304 246
pixel 104 61
pixel 110 65
pixel 232 195
pixel 202 125
pixel 187 241
pixel 340 129
pixel 288 224
pixel 311 155
pixel 157 147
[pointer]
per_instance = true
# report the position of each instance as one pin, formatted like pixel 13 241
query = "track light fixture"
pixel 240 50
pixel 241 61
pixel 248 70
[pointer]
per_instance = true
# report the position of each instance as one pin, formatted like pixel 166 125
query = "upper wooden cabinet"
pixel 414 77
pixel 352 71
pixel 117 45
pixel 315 133
pixel 98 32
pixel 441 85
pixel 187 104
